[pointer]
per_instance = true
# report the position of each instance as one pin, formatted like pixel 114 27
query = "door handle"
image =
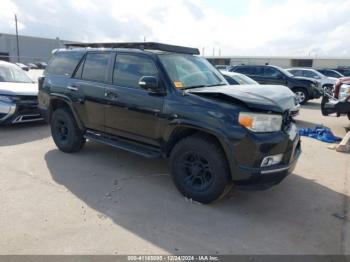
pixel 72 88
pixel 111 95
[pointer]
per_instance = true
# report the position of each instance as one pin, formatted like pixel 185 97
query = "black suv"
pixel 304 88
pixel 160 100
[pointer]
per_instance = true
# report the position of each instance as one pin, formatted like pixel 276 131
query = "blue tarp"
pixel 320 133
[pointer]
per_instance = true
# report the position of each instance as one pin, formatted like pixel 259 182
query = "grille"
pixel 287 120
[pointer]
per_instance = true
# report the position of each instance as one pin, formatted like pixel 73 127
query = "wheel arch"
pixel 60 102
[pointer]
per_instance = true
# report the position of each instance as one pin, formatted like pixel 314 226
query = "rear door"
pixel 133 112
pixel 89 87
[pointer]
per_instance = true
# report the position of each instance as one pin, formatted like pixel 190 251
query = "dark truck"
pixel 164 101
pixel 305 89
pixel 339 102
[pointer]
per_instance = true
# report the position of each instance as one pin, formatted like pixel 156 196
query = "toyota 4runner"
pixel 160 100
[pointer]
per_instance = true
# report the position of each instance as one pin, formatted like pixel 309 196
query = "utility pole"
pixel 18 59
pixel 203 50
pixel 213 51
pixel 144 39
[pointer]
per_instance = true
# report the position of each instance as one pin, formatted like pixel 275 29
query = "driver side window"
pixel 128 70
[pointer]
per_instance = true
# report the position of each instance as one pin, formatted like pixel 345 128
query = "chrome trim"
pixel 274 170
pixel 72 88
pixel 22 118
pixel 8 109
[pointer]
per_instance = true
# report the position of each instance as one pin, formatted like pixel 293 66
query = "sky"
pixel 226 27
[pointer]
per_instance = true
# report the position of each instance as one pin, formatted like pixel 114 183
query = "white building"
pixel 31 49
pixel 282 61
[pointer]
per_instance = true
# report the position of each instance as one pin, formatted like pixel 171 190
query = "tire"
pixel 65 132
pixel 199 168
pixel 349 115
pixel 302 95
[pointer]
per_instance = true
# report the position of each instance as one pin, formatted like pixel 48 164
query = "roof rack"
pixel 140 45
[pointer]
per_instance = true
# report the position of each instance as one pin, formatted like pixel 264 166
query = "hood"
pixel 305 78
pixel 265 97
pixel 23 89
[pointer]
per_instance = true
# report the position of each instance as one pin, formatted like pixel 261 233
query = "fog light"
pixel 272 160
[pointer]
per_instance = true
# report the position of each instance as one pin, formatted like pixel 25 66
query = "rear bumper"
pixel 13 113
pixel 335 106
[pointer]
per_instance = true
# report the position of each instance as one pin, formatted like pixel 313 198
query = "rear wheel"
pixel 65 132
pixel 301 94
pixel 199 168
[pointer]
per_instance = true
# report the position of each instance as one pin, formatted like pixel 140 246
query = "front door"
pixel 133 112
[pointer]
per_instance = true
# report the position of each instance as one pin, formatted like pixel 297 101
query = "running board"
pixel 142 150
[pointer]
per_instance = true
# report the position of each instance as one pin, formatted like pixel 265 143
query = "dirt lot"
pixel 106 201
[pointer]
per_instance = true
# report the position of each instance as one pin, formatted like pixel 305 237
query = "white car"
pixel 327 83
pixel 234 78
pixel 18 96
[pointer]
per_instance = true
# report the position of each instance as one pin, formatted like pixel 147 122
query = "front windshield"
pixel 12 73
pixel 244 80
pixel 187 71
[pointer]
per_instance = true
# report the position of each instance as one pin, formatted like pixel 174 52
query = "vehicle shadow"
pixel 137 194
pixel 23 133
pixel 312 105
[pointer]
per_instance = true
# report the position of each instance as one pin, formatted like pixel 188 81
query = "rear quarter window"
pixel 64 63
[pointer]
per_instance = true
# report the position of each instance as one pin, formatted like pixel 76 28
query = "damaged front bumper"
pixel 20 110
pixel 331 105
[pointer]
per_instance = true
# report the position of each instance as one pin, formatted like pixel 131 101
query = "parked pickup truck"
pixel 339 103
pixel 165 101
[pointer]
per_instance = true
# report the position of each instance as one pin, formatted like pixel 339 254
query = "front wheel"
pixel 302 95
pixel 199 168
pixel 65 132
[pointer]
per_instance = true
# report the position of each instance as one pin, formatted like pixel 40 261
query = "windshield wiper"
pixel 199 86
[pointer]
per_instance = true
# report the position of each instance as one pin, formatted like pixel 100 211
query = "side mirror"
pixel 149 83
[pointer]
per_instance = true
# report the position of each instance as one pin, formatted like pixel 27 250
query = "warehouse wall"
pixel 32 49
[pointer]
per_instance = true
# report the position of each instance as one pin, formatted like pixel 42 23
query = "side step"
pixel 142 150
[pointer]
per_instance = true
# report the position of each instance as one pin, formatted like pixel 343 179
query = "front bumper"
pixel 331 106
pixel 19 112
pixel 249 153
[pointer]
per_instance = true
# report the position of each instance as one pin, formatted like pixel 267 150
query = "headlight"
pixel 313 85
pixel 344 92
pixel 6 99
pixel 260 122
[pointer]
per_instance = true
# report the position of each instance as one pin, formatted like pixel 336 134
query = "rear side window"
pixel 128 70
pixel 64 63
pixel 95 67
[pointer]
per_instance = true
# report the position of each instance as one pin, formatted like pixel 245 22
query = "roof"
pixel 139 46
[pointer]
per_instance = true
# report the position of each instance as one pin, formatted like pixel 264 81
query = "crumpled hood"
pixel 266 97
pixel 23 89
